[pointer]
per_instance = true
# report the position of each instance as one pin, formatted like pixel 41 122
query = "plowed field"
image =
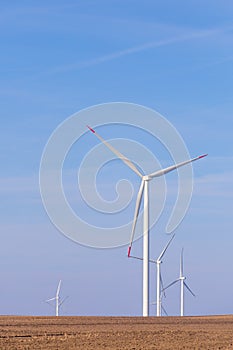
pixel 116 333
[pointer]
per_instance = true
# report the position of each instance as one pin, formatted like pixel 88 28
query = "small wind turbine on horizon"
pixel 183 284
pixel 159 291
pixel 144 187
pixel 58 302
pixel 159 278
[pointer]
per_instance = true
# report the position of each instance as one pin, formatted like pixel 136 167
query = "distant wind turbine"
pixel 58 303
pixel 159 278
pixel 182 284
pixel 159 290
pixel 144 187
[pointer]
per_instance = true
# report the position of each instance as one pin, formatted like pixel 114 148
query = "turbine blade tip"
pixel 204 155
pixel 92 130
pixel 129 250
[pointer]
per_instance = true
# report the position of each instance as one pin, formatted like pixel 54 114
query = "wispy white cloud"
pixel 215 185
pixel 191 35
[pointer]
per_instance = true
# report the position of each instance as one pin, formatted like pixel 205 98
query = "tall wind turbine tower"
pixel 144 187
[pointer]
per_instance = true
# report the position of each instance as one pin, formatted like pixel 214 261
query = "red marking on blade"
pixel 92 130
pixel 204 155
pixel 129 249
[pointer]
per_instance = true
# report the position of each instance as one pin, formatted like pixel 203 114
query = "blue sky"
pixel 60 57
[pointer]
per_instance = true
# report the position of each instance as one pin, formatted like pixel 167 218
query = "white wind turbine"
pixel 143 187
pixel 182 284
pixel 58 303
pixel 159 278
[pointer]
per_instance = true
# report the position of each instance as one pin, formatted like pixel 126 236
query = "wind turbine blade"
pixel 171 284
pixel 135 257
pixel 182 262
pixel 50 299
pixel 117 153
pixel 49 304
pixel 63 300
pixel 58 288
pixel 189 289
pixel 164 250
pixel 162 285
pixel 138 202
pixel 164 310
pixel 173 167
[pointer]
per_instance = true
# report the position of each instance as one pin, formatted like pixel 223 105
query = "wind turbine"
pixel 182 284
pixel 144 187
pixel 58 303
pixel 159 278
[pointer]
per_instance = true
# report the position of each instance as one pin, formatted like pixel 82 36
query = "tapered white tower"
pixel 143 187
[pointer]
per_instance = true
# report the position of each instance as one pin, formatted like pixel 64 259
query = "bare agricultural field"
pixel 210 332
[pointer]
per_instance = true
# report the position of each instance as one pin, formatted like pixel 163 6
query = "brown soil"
pixel 212 332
